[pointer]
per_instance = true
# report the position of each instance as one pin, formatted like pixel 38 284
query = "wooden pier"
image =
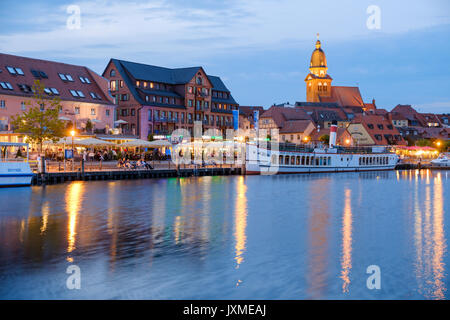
pixel 61 177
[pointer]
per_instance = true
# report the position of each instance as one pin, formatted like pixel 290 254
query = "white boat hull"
pixel 263 161
pixel 14 174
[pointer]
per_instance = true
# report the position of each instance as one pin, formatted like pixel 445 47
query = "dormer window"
pixel 84 80
pixel 65 77
pixel 112 73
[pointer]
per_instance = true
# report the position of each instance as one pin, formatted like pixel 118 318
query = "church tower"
pixel 318 82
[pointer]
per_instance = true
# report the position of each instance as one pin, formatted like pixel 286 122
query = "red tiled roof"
pixel 345 96
pixel 295 126
pixel 248 110
pixel 371 124
pixel 404 109
pixel 52 69
pixel 282 114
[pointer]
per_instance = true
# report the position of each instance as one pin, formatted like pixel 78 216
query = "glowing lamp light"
pixel 72 133
pixel 347 141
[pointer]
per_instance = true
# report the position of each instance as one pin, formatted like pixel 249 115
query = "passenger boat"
pixel 14 171
pixel 304 159
pixel 442 161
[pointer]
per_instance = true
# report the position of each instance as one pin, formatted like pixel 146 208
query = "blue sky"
pixel 261 49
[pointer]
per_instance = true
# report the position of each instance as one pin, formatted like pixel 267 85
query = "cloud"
pixel 175 31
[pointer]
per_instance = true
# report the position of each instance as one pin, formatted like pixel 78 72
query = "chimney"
pixel 333 131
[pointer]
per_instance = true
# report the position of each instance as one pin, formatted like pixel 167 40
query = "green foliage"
pixel 325 138
pixel 150 137
pixel 89 125
pixel 423 143
pixel 40 124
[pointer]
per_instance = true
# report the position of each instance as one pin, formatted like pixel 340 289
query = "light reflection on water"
pixel 268 237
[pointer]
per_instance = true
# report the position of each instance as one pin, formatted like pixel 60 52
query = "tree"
pixel 41 121
pixel 423 143
pixel 150 137
pixel 89 125
pixel 325 139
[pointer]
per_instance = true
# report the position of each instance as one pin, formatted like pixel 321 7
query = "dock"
pixel 61 177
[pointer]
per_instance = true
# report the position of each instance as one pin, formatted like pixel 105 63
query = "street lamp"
pixel 72 133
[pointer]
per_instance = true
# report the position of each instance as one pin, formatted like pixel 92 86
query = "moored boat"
pixel 305 159
pixel 14 171
pixel 442 161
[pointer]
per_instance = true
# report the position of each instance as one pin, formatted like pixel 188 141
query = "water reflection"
pixel 240 220
pixel 73 206
pixel 318 237
pixel 346 260
pixel 430 239
pixel 196 234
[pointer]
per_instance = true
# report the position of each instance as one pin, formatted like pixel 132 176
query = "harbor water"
pixel 230 237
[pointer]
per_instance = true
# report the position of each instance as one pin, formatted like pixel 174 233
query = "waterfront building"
pixel 153 100
pixel 246 116
pixel 276 117
pixel 297 131
pixel 374 130
pixel 83 92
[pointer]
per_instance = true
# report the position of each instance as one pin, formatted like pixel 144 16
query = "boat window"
pixel 286 160
pixel 329 161
pixel 307 160
pixel 298 160
pixel 274 159
pixel 317 161
pixel 280 159
pixel 303 160
pixel 292 160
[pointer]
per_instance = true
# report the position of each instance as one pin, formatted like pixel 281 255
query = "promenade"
pixel 58 172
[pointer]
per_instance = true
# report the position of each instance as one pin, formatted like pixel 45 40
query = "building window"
pixel 190 103
pixel 133 112
pixel 6 85
pixel 112 85
pixel 199 80
pixel 2 104
pixel 149 115
pixel 93 111
pixel 77 110
pixel 23 106
pixel 84 80
pixel 138 84
pixel 112 73
pixel 107 112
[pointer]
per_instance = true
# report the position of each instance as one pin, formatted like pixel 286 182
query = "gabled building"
pixel 157 100
pixel 83 92
pixel 296 131
pixel 275 117
pixel 374 130
pixel 246 116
